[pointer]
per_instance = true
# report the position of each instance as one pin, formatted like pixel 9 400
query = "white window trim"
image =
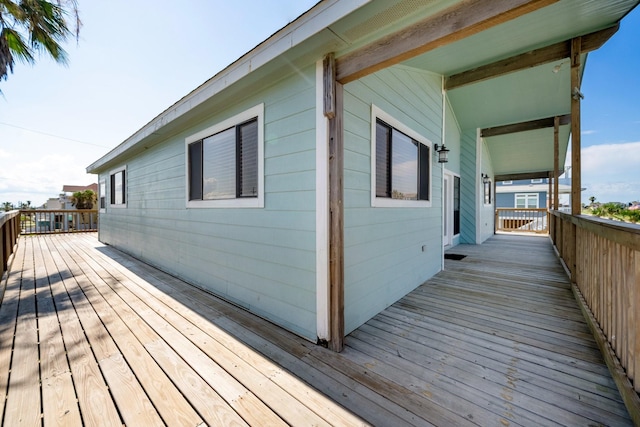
pixel 102 182
pixel 383 202
pixel 526 198
pixel 491 192
pixel 537 181
pixel 507 182
pixel 248 202
pixel 126 189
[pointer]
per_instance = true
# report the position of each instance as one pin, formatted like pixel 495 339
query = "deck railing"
pixel 603 258
pixel 522 220
pixel 58 221
pixel 9 231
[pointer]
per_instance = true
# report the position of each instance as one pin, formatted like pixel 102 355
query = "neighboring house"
pixel 64 200
pixel 60 221
pixel 316 201
pixel 530 193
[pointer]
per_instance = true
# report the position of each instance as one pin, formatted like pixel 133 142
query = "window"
pixel 119 188
pixel 507 182
pixel 526 200
pixel 456 205
pixel 102 192
pixel 400 163
pixel 487 192
pixel 224 163
pixel 536 181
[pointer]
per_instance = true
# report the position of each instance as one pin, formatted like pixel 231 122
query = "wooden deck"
pixel 90 336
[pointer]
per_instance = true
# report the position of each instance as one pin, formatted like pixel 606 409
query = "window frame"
pixel 379 114
pixel 537 181
pixel 111 190
pixel 526 198
pixel 102 195
pixel 507 182
pixel 256 112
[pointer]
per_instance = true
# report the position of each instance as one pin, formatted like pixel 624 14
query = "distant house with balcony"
pixel 530 193
pixel 64 200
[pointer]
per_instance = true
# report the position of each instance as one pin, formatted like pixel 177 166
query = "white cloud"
pixel 588 132
pixel 611 172
pixel 41 178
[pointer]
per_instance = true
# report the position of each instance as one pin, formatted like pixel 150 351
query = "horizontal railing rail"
pixel 522 220
pixel 603 259
pixel 9 232
pixel 58 221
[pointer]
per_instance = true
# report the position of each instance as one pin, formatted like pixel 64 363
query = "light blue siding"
pixel 261 259
pixel 487 211
pixel 468 185
pixel 383 246
pixel 452 140
pixel 452 136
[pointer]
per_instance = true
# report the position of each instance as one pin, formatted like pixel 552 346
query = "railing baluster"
pixel 606 271
pixel 43 221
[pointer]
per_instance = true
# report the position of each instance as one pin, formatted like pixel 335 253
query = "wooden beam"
pixel 556 161
pixel 523 175
pixel 336 224
pixel 455 23
pixel 544 55
pixel 547 122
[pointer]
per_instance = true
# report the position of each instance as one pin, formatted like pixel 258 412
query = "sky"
pixel 134 59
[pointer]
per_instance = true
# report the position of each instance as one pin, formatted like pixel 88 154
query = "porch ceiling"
pixel 529 94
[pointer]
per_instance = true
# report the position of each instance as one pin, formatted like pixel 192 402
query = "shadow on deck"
pixel 103 339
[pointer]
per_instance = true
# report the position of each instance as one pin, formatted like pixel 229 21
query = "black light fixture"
pixel 485 178
pixel 443 153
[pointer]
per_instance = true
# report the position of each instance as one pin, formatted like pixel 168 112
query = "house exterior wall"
pixel 452 137
pixel 468 187
pixel 486 210
pixel 384 258
pixel 262 259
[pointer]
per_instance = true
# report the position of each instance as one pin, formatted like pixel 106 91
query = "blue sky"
pixel 135 59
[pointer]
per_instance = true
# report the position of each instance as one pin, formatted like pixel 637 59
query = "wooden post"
pixel 333 110
pixel 556 154
pixel 550 194
pixel 576 198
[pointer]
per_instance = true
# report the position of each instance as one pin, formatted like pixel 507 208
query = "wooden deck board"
pixel 496 339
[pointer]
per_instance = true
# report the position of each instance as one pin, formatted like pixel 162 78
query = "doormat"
pixel 456 257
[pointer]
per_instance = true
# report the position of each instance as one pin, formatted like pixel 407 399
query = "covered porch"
pixel 91 336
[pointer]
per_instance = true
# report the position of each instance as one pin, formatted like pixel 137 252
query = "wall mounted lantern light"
pixel 443 153
pixel 485 178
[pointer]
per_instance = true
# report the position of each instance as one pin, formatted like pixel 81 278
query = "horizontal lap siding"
pixel 487 213
pixel 261 259
pixel 468 184
pixel 383 246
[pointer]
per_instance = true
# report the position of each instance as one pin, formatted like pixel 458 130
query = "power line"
pixel 54 136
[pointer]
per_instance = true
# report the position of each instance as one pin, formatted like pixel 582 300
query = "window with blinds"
pixel 118 188
pixel 225 165
pixel 402 165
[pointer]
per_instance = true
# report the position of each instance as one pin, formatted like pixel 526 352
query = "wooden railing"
pixel 9 232
pixel 603 258
pixel 58 221
pixel 522 220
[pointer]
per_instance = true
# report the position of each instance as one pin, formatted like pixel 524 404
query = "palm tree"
pixel 28 27
pixel 7 206
pixel 83 199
